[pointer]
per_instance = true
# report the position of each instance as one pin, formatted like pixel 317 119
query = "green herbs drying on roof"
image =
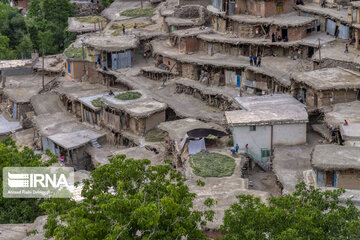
pixel 128 96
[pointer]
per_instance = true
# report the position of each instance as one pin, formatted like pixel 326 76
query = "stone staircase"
pixel 95 143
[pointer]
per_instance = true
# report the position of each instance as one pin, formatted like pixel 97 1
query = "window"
pixel 265 153
pixel 252 128
pixel 279 8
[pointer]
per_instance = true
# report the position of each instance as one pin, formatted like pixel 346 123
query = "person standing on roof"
pixel 251 59
pixel 346 48
pixel 255 60
pixel 123 29
pixel 237 148
pixel 323 3
pixel 259 61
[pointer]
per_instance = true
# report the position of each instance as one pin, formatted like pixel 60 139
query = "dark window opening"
pixel 284 33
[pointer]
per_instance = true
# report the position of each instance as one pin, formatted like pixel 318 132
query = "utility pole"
pixel 319 53
pixel 43 69
pixel 141 4
pixel 83 55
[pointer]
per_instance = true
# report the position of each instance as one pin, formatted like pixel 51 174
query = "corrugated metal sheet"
pixel 249 83
pixel 320 178
pixel 330 27
pixel 114 60
pixel 121 59
pixel 230 77
pixel 14 111
pixel 343 32
pixel 48 144
pixel 231 7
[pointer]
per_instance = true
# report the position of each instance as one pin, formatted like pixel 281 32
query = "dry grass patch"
pixel 155 135
pixel 90 19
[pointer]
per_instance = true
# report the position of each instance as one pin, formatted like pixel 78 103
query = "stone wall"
pixel 203 3
pixel 214 100
pixel 190 71
pixel 189 11
pixel 87 9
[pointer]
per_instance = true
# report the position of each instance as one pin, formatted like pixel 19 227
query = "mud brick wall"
pixel 268 8
pixel 297 33
pixel 190 44
pixel 92 74
pixel 244 30
pixel 170 63
pixel 154 120
pixel 137 125
pixel 222 23
pixel 348 179
pixel 339 96
pixel 294 33
pixel 214 100
pixel 190 71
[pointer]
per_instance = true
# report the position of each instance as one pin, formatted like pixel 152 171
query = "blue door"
pixel 69 68
pixel 238 81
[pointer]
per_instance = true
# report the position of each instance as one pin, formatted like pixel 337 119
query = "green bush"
pixel 212 165
pixel 76 53
pixel 138 12
pixel 230 142
pixel 128 96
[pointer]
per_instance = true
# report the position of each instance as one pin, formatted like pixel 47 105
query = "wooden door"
pixel 329 179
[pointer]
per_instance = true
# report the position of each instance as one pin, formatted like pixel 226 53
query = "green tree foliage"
pixel 106 3
pixel 25 47
pixel 49 17
pixel 16 210
pixel 12 24
pixel 128 199
pixel 5 51
pixel 308 213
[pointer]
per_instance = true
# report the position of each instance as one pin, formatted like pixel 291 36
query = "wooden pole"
pixel 319 54
pixel 43 69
